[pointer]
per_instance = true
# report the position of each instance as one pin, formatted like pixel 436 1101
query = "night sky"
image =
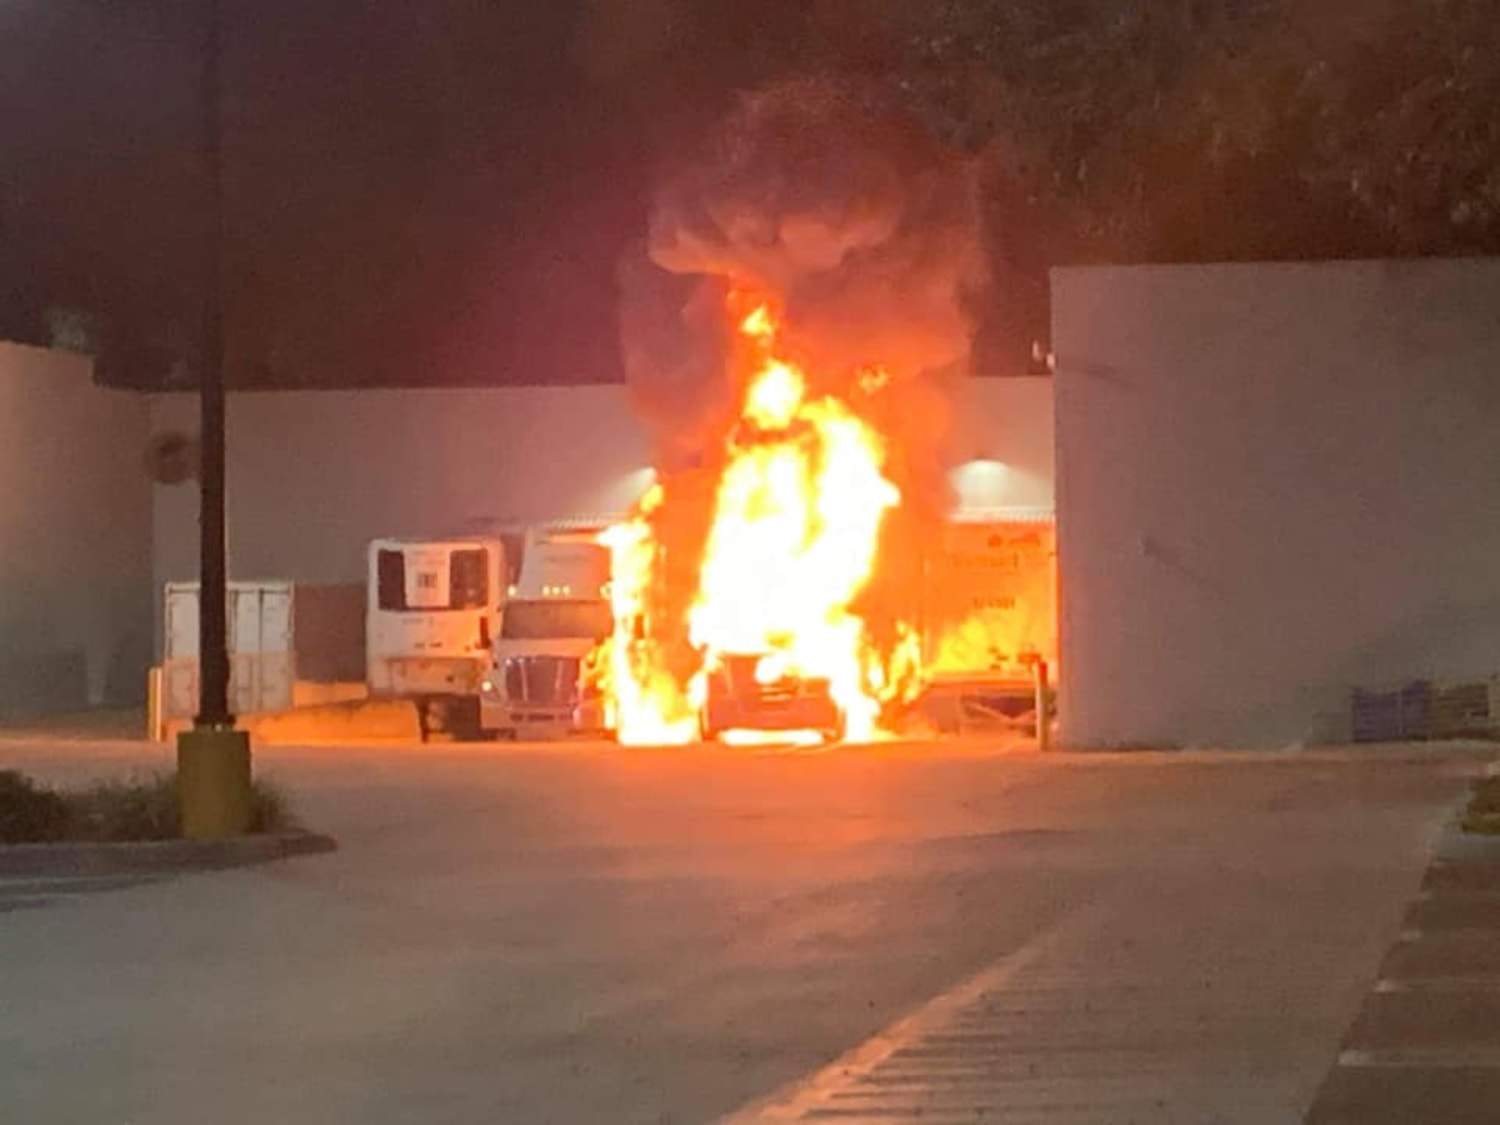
pixel 418 192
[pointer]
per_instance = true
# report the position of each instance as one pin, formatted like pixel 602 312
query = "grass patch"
pixel 1482 816
pixel 143 808
pixel 30 812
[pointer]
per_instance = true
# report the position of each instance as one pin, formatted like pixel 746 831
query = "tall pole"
pixel 213 634
pixel 214 795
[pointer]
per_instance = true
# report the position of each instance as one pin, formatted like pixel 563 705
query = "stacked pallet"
pixel 1422 709
pixel 1465 711
pixel 1402 714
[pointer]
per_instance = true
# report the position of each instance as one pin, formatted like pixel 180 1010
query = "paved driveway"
pixel 588 935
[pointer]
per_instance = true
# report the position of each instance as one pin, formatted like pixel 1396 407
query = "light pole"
pixel 213 758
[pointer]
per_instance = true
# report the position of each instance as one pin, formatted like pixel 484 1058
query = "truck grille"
pixel 547 681
pixel 782 691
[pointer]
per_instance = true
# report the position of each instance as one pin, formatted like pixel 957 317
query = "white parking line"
pixel 794 1101
pixel 1423 1058
pixel 1438 984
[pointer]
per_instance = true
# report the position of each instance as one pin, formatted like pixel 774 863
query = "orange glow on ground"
pixel 788 739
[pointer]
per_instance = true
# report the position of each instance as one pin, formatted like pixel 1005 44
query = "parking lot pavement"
pixel 586 934
pixel 1425 1046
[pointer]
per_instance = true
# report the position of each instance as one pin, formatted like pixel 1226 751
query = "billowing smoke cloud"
pixel 675 343
pixel 837 202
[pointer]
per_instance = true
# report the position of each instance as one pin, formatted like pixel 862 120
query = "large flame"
pixel 645 704
pixel 792 542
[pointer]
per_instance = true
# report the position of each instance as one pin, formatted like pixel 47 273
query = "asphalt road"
pixel 584 934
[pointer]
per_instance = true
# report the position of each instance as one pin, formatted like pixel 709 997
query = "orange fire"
pixel 646 706
pixel 799 501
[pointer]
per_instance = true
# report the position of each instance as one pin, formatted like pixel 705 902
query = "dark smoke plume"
pixel 836 201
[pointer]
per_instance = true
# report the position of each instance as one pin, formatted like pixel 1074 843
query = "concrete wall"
pixel 1001 438
pixel 315 475
pixel 75 541
pixel 1274 482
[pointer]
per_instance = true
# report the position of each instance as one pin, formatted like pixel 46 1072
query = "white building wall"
pixel 75 543
pixel 315 475
pixel 1275 482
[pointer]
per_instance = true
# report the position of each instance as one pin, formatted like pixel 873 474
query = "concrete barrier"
pixel 358 720
pixel 314 693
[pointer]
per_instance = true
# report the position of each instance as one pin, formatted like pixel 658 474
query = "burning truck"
pixel 768 635
pixel 794 325
pixel 785 628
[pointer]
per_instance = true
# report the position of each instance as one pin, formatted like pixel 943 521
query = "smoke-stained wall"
pixel 1275 482
pixel 75 537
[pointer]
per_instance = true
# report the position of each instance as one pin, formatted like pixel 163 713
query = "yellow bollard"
pixel 1043 719
pixel 213 782
pixel 154 730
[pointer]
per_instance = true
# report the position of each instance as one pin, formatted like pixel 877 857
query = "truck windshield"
pixel 556 620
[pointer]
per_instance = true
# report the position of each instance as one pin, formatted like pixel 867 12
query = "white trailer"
pixel 432 612
pixel 989 601
pixel 989 616
pixel 261 641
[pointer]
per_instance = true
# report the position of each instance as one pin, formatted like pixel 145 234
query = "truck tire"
pixel 461 720
pixel 838 732
pixel 706 731
pixel 448 718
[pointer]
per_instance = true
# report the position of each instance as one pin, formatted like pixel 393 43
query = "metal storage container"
pixel 262 652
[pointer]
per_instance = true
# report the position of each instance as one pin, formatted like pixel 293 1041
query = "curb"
pixel 1457 846
pixel 146 856
pixel 1423 1045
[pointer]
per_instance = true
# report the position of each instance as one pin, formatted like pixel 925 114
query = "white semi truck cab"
pixel 543 680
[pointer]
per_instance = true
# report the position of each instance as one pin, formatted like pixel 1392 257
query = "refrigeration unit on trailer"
pixel 432 613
